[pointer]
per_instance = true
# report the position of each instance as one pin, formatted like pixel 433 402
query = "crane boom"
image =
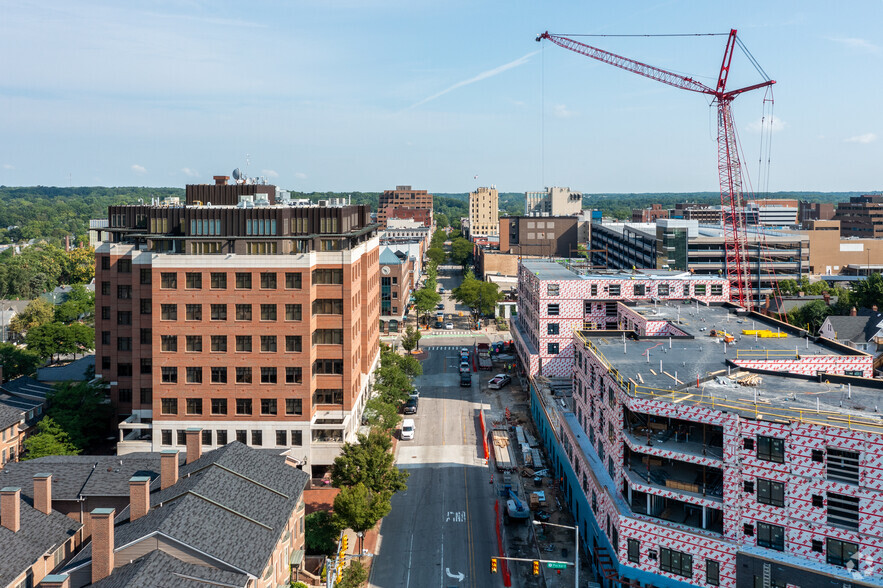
pixel 729 166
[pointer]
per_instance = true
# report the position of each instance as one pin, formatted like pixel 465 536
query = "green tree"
pixel 411 339
pixel 441 220
pixel 369 462
pixel 321 533
pixel 426 299
pixel 382 415
pixel 82 411
pixel 869 292
pixel 810 316
pixel 461 250
pixel 18 362
pixel 359 508
pixel 80 302
pixel 50 439
pixel 37 313
pixel 436 255
pixel 480 297
pixel 353 576
pixel 80 266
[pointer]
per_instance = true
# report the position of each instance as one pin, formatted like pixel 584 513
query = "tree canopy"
pixel 371 462
pixel 359 508
pixel 17 361
pixel 320 533
pixel 461 250
pixel 82 411
pixel 50 439
pixel 480 297
pixel 37 313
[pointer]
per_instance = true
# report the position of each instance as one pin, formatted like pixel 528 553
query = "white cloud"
pixel 759 125
pixel 866 138
pixel 139 169
pixel 270 173
pixel 8 166
pixel 190 172
pixel 859 44
pixel 482 76
pixel 561 111
pixel 300 175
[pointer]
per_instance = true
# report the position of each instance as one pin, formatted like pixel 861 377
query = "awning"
pixel 297 557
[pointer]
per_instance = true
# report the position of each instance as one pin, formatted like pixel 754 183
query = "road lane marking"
pixel 410 552
pixel 458 516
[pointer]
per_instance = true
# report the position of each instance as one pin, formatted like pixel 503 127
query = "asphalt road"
pixel 441 531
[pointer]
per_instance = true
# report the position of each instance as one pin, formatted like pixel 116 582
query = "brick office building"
pixel 252 318
pixel 401 197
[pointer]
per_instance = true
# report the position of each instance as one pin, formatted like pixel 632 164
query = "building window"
pixel 328 276
pixel 297 440
pixel 206 437
pixel 268 406
pixel 146 396
pixel 194 406
pixel 219 342
pixel 699 289
pixel 242 435
pixel 634 551
pixel 327 306
pixel 257 438
pixel 168 342
pixel 293 312
pixel 552 329
pixel 293 343
pixel 193 280
pixel 640 290
pixel 843 511
pixel 169 406
pixel 146 276
pixel 243 375
pixel 146 306
pixel 294 406
pixel 219 312
pixel 221 436
pixel 552 309
pixel 268 312
pixel 552 289
pixel 553 348
pixel 712 572
pixel 676 562
pixel 771 449
pixel 219 406
pixel 268 375
pixel 614 289
pixel 328 337
pixel 124 370
pixel 243 406
pixel 124 317
pixel 769 492
pixel 662 290
pixel 218 281
pixel 243 312
pixel 268 280
pixel 293 280
pixel 166 436
pixel 168 280
pixel 219 375
pixel 328 366
pixel 843 465
pixel 243 342
pixel 717 290
pixel 194 375
pixel 146 336
pixel 193 343
pixel 771 536
pixel 282 437
pixel 193 312
pixel 328 396
pixel 169 375
pixel 124 292
pixel 125 395
pixel 818 455
pixel 105 313
pixel 268 343
pixel 168 312
pixel 840 553
pixel 294 375
pixel 817 501
pixel 146 365
pixel 243 280
pixel 105 337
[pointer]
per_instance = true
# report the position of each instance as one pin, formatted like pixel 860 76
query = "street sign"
pixel 556 565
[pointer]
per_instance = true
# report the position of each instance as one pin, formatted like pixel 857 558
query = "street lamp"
pixel 576 554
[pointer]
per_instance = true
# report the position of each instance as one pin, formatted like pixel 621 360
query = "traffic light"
pixel 536 568
pixel 493 565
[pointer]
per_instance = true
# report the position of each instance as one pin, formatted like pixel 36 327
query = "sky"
pixel 448 95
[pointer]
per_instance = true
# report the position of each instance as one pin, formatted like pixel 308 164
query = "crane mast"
pixel 729 166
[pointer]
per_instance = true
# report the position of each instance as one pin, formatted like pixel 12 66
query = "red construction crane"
pixel 728 164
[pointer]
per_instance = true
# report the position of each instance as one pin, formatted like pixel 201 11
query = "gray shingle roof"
pixel 38 534
pixel 858 329
pixel 9 416
pixel 75 371
pixel 25 387
pixel 158 569
pixel 232 504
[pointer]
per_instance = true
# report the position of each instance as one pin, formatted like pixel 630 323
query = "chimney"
pixel 139 497
pixel 853 312
pixel 827 298
pixel 102 543
pixel 56 581
pixel 10 508
pixel 43 493
pixel 194 443
pixel 221 180
pixel 874 308
pixel 168 468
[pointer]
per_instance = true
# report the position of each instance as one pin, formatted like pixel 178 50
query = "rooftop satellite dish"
pixel 237 174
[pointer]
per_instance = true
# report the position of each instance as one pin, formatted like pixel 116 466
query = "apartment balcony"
pixel 677 512
pixel 670 475
pixel 656 435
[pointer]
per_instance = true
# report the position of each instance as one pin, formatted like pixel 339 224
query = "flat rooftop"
pixel 546 269
pixel 783 397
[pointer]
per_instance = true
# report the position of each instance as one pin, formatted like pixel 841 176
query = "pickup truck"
pixel 484 357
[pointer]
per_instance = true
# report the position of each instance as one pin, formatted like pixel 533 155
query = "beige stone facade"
pixel 484 212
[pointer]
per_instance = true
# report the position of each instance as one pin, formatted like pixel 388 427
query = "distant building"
pixel 421 216
pixel 397 277
pixel 831 253
pixel 649 215
pixel 859 331
pixel 775 212
pixel 553 202
pixel 862 216
pixel 401 197
pixel 813 211
pixel 484 212
pixel 12 424
pixel 540 236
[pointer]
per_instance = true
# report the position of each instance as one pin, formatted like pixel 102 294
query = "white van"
pixel 407 429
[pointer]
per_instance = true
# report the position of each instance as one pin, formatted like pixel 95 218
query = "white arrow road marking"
pixel 458 575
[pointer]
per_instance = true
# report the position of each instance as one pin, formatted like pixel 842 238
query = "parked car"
pixel 464 352
pixel 465 367
pixel 439 306
pixel 441 290
pixel 407 429
pixel 449 326
pixel 410 406
pixel 439 325
pixel 415 393
pixel 465 380
pixel 498 381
